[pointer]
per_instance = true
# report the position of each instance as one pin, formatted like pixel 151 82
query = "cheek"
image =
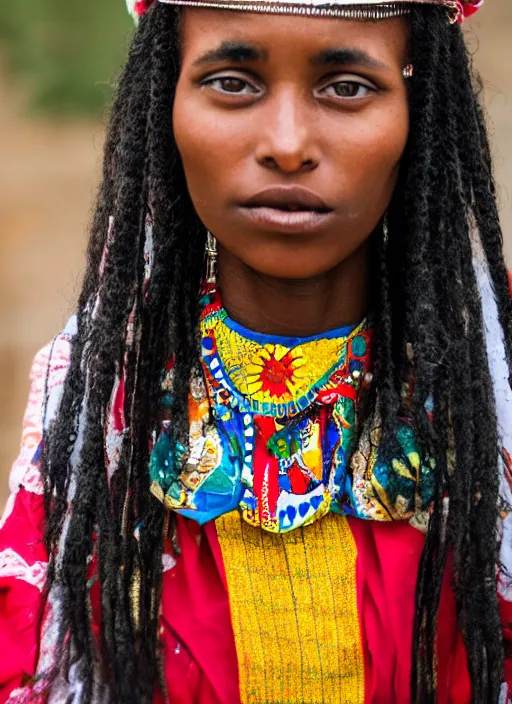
pixel 208 146
pixel 189 136
pixel 368 156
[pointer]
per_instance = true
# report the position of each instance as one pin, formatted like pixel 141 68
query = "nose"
pixel 287 140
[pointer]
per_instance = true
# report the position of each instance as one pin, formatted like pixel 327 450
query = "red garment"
pixel 387 569
pixel 199 648
pixel 21 580
pixel 200 657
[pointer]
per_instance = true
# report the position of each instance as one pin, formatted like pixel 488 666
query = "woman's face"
pixel 291 131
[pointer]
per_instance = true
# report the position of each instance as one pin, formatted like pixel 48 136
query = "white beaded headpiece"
pixel 458 10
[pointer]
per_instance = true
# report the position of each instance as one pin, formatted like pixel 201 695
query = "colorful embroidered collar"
pixel 282 443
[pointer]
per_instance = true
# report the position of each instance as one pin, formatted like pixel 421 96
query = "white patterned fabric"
pixel 13 565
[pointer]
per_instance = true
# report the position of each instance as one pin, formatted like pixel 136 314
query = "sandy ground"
pixel 47 181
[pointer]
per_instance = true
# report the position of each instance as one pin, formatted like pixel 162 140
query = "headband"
pixel 349 9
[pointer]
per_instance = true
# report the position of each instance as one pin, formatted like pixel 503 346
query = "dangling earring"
pixel 211 258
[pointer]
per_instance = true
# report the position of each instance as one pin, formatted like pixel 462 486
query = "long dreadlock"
pixel 426 300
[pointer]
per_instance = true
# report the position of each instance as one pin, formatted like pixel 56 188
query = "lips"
pixel 288 199
pixel 288 209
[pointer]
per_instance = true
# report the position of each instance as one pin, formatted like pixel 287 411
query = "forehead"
pixel 290 37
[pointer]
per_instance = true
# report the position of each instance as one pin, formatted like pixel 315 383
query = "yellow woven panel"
pixel 294 612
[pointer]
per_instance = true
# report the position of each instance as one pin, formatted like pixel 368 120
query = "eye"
pixel 230 85
pixel 348 89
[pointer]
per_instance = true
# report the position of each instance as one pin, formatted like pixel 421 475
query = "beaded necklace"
pixel 274 433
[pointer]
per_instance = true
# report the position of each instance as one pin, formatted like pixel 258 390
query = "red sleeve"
pixel 23 558
pixel 506 620
pixel 506 615
pixel 23 563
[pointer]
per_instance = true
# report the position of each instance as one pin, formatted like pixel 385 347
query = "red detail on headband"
pixel 142 6
pixel 468 8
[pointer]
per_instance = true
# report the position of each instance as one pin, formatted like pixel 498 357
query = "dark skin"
pixel 291 101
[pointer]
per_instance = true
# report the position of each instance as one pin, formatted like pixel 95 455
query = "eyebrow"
pixel 346 57
pixel 241 52
pixel 237 52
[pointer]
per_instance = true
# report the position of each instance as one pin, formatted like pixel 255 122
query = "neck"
pixel 297 308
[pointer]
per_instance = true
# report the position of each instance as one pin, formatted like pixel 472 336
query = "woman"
pixel 267 460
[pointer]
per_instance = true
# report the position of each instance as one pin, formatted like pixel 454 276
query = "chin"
pixel 287 267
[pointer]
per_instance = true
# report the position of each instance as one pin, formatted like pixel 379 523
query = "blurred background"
pixel 58 62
